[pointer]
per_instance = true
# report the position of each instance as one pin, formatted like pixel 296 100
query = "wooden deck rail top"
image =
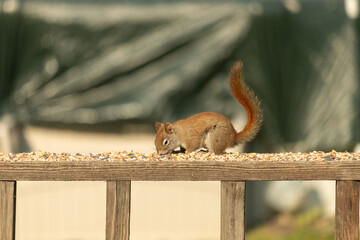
pixel 132 166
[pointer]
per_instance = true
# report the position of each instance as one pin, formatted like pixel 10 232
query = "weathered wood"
pixel 232 210
pixel 179 170
pixel 118 210
pixel 7 210
pixel 347 210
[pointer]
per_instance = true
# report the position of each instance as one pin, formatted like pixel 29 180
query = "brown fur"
pixel 212 130
pixel 250 102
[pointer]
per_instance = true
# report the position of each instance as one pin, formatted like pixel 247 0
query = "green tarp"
pixel 105 62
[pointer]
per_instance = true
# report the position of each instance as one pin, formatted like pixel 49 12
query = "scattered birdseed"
pixel 198 156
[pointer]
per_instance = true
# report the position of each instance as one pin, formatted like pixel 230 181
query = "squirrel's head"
pixel 166 140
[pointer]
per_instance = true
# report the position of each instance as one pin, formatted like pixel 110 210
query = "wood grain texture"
pixel 347 210
pixel 118 210
pixel 232 210
pixel 179 170
pixel 7 210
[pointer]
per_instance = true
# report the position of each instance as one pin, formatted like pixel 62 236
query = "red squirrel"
pixel 211 130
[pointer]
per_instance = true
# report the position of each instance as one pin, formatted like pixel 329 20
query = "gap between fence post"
pixel 232 210
pixel 347 210
pixel 118 197
pixel 7 210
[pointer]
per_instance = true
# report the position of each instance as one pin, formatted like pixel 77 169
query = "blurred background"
pixel 88 76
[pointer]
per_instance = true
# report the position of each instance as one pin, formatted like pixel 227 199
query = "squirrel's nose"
pixel 161 152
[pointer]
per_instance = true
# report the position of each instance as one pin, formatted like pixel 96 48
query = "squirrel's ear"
pixel 168 128
pixel 157 126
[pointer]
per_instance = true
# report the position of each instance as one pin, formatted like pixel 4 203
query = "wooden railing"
pixel 232 172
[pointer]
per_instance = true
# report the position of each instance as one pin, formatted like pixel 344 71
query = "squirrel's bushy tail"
pixel 247 98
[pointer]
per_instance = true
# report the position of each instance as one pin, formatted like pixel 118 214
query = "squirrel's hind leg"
pixel 219 138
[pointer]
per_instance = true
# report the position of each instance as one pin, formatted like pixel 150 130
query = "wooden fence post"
pixel 232 210
pixel 347 210
pixel 118 199
pixel 7 210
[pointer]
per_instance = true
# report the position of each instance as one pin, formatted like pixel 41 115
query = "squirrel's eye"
pixel 165 142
